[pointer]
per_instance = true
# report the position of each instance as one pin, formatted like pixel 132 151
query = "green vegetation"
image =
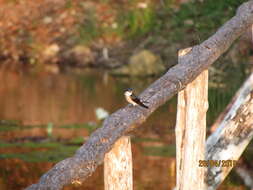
pixel 10 126
pixel 52 155
pixel 165 151
pixel 226 84
pixel 54 149
pixel 4 128
pixel 89 127
pixel 89 28
pixel 13 125
pixel 68 4
pixel 31 144
pixel 137 22
pixel 77 140
pixel 192 21
pixel 201 19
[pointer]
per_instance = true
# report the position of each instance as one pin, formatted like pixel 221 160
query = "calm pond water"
pixel 44 118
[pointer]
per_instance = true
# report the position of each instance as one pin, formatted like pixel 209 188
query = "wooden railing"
pixel 109 143
pixel 196 167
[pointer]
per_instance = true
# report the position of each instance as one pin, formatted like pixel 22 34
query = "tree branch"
pixel 91 154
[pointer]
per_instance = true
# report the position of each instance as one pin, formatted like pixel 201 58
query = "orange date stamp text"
pixel 217 163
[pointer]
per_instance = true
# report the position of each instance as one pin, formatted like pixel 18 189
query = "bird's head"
pixel 128 92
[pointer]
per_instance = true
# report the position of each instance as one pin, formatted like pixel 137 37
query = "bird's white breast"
pixel 129 99
pixel 127 93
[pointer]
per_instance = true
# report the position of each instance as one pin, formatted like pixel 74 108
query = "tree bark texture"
pixel 118 170
pixel 199 58
pixel 191 133
pixel 231 137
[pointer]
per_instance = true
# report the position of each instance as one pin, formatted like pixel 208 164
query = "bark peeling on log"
pixel 232 136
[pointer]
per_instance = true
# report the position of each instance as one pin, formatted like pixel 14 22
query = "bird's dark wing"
pixel 134 97
pixel 138 101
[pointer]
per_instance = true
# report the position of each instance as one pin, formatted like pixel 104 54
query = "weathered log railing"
pixel 194 61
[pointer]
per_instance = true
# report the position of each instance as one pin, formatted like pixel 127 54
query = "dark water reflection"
pixel 45 118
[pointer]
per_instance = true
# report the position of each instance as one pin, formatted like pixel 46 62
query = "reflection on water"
pixel 44 118
pixel 59 99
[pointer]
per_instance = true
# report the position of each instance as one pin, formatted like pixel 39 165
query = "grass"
pixel 4 128
pixel 164 151
pixel 77 140
pixel 55 151
pixel 4 144
pixel 52 155
pixel 10 127
pixel 87 126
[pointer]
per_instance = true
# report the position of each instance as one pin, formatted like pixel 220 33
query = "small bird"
pixel 132 99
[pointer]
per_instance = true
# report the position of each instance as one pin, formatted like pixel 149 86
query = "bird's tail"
pixel 143 105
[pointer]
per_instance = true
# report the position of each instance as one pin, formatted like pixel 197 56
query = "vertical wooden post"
pixel 118 170
pixel 191 131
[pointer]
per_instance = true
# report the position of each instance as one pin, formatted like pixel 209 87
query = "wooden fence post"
pixel 191 131
pixel 118 170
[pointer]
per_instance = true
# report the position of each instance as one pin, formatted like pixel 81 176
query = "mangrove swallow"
pixel 132 99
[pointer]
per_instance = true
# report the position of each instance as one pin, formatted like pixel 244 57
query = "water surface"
pixel 44 118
